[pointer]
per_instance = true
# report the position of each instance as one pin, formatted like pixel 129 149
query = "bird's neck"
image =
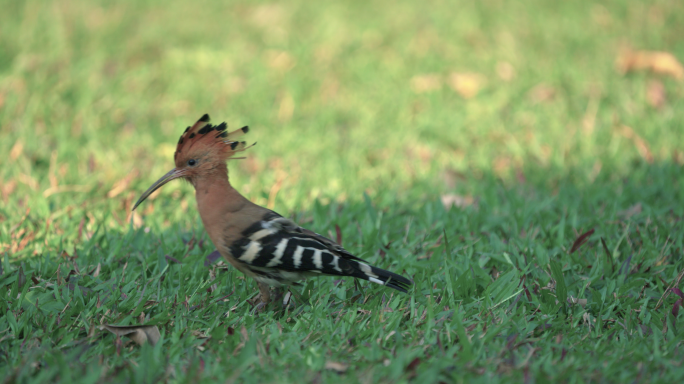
pixel 217 201
pixel 213 180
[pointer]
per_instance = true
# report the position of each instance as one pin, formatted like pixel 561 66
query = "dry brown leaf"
pixel 640 144
pixel 542 93
pixel 505 71
pixel 678 157
pixel 7 189
pixel 200 334
pixel 28 180
pixel 451 200
pixel 426 83
pixel 581 302
pixel 329 88
pixel 268 15
pixel 336 366
pixel 655 94
pixel 91 329
pixel 466 84
pixel 286 300
pixel 122 184
pixel 286 108
pixel 96 273
pixel 663 63
pixel 280 60
pixel 137 219
pixel 140 334
pixel 19 245
pixel 631 211
pixel 245 338
pixel 502 165
pixel 17 150
pixel 451 177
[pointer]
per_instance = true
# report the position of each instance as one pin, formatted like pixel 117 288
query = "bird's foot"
pixel 261 303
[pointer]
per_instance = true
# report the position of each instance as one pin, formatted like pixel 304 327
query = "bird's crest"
pixel 211 138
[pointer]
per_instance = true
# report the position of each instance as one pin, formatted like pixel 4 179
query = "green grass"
pixel 359 128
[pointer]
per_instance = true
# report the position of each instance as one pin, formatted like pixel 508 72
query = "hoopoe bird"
pixel 260 243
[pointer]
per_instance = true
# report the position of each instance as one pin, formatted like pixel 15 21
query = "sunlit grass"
pixel 514 109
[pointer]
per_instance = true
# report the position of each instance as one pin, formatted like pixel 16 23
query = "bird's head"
pixel 201 148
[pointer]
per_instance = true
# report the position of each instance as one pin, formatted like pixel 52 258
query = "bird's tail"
pixel 379 276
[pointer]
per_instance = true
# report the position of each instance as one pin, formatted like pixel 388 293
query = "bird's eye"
pixel 192 162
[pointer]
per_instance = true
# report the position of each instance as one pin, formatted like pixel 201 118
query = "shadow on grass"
pixel 547 265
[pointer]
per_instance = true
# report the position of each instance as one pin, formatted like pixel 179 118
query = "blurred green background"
pixel 538 119
pixel 343 97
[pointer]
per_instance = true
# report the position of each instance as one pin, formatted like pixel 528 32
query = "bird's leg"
pixel 264 297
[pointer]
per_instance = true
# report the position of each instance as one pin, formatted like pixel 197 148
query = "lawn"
pixel 520 161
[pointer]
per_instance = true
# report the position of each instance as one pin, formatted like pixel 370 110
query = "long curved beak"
pixel 172 174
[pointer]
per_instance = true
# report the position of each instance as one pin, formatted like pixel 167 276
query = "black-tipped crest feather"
pixel 197 134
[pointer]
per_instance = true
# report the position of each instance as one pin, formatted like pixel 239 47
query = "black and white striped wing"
pixel 282 252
